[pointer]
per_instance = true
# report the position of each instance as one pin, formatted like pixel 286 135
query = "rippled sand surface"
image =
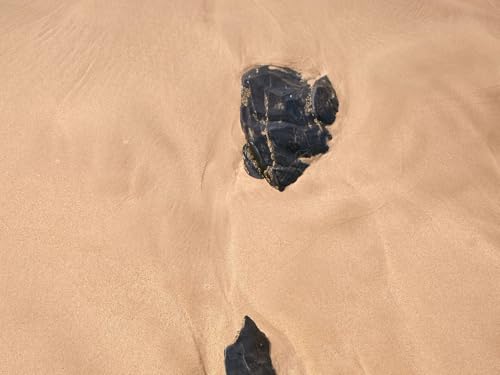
pixel 133 242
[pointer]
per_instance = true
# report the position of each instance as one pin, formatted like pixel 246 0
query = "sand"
pixel 133 242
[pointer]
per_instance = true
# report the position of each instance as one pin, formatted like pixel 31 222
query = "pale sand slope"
pixel 133 242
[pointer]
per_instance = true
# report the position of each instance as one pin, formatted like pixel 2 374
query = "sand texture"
pixel 132 241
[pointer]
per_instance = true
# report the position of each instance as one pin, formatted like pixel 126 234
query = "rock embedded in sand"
pixel 284 120
pixel 249 355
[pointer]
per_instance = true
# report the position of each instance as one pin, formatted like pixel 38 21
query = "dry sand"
pixel 133 242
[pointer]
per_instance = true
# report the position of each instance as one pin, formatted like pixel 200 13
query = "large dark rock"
pixel 284 120
pixel 249 355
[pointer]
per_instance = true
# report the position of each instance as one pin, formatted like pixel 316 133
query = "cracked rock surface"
pixel 284 120
pixel 249 355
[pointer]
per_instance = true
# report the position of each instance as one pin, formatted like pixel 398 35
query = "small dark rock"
pixel 249 355
pixel 284 120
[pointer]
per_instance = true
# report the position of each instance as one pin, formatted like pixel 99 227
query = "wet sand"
pixel 133 241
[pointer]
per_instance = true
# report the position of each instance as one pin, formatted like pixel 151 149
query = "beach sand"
pixel 133 242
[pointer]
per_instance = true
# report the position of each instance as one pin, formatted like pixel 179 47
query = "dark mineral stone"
pixel 249 355
pixel 284 120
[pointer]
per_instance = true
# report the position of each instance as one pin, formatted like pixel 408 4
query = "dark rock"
pixel 325 105
pixel 249 355
pixel 284 120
